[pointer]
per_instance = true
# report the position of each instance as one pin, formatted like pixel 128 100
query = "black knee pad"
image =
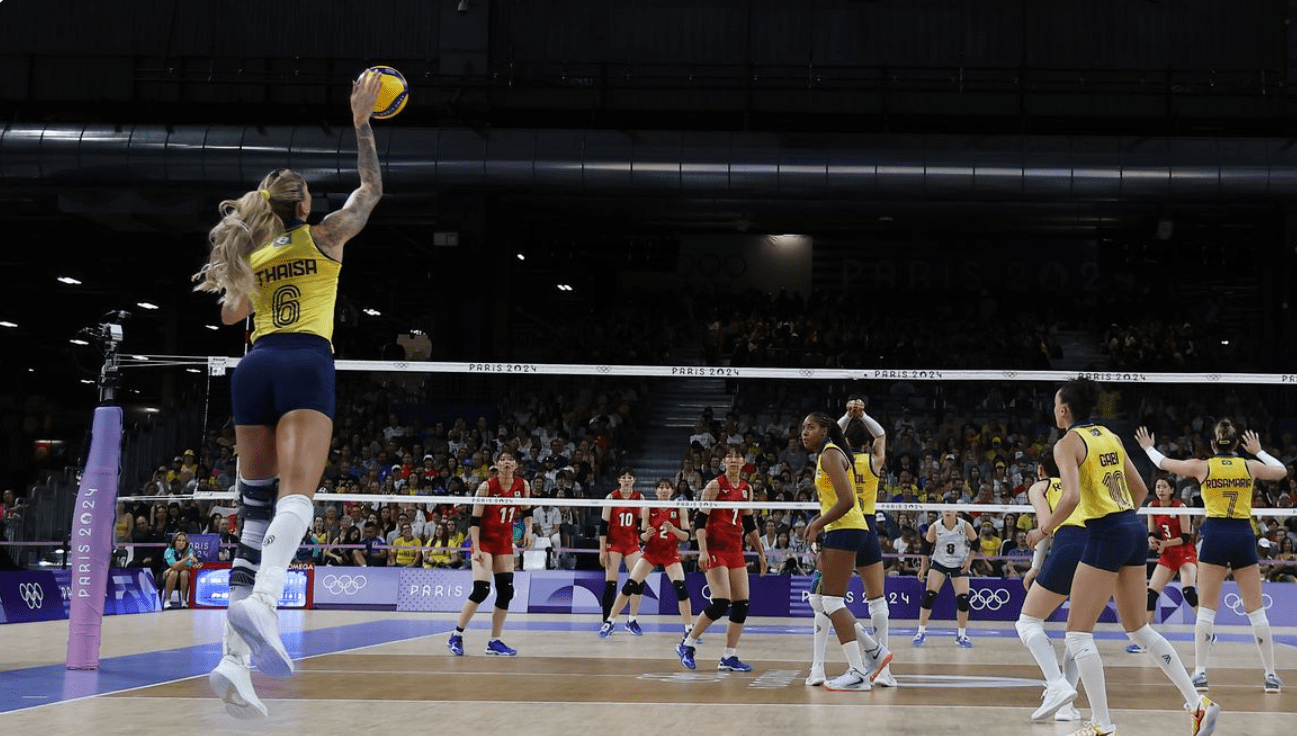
pixel 739 612
pixel 961 602
pixel 929 598
pixel 1152 599
pixel 248 553
pixel 1190 596
pixel 503 590
pixel 481 589
pixel 717 609
pixel 262 498
pixel 632 588
pixel 242 577
pixel 682 593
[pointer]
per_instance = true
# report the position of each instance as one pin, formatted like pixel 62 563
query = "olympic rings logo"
pixel 344 584
pixel 988 600
pixel 1234 603
pixel 603 369
pixel 33 594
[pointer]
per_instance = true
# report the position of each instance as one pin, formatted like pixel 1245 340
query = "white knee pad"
pixel 817 603
pixel 879 606
pixel 1028 627
pixel 833 604
pixel 1081 644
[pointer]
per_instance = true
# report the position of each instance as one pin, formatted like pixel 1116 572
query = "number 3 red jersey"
pixel 497 521
pixel 1167 525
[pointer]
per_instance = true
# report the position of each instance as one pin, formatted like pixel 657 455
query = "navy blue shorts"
pixel 870 552
pixel 1228 543
pixel 848 539
pixel 1115 541
pixel 1060 565
pixel 953 572
pixel 283 372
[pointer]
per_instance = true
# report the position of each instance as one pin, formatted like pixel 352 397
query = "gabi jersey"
pixel 1227 489
pixel 1054 494
pixel 297 286
pixel 1103 474
pixel 866 483
pixel 853 518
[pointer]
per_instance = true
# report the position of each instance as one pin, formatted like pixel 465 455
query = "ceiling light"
pixel 87 380
pixel 69 280
pixel 140 357
pixel 213 327
pixel 372 312
pixel 76 341
pixel 6 323
pixel 521 257
pixel 146 305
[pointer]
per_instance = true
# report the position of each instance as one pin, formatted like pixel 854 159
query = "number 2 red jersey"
pixel 497 521
pixel 663 547
pixel 725 526
pixel 1167 525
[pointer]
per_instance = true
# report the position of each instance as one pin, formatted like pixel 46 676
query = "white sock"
pixel 962 633
pixel 852 650
pixel 1088 663
pixel 1202 633
pixel 728 652
pixel 1264 642
pixel 821 640
pixel 923 629
pixel 1070 672
pixel 1031 631
pixel 1166 658
pixel 690 641
pixel 879 616
pixel 293 516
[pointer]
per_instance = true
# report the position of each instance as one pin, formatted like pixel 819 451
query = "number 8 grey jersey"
pixel 951 548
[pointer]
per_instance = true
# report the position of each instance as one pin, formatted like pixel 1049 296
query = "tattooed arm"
pixel 339 227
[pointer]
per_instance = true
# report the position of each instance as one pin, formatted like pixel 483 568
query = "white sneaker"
pixel 877 661
pixel 816 677
pixel 853 680
pixel 1068 713
pixel 258 624
pixel 885 678
pixel 1055 696
pixel 232 683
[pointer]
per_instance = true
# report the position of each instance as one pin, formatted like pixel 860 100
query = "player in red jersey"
pixel 663 529
pixel 1171 536
pixel 492 533
pixel 619 531
pixel 720 555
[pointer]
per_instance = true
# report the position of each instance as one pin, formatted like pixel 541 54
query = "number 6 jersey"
pixel 297 285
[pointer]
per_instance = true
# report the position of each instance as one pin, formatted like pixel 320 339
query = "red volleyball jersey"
pixel 497 521
pixel 1167 526
pixel 623 522
pixel 725 526
pixel 663 543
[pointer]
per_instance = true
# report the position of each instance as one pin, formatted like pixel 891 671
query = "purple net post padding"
pixel 91 539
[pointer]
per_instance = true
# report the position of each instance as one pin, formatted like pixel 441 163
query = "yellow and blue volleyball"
pixel 392 95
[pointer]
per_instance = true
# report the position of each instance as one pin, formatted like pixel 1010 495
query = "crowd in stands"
pixel 569 447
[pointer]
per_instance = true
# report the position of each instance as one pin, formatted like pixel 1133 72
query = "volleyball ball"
pixel 392 94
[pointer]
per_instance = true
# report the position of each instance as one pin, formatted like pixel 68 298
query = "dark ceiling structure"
pixel 590 135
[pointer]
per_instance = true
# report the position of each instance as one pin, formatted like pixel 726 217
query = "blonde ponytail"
pixel 247 223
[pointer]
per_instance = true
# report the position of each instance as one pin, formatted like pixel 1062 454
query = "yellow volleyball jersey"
pixel 297 286
pixel 853 519
pixel 1054 494
pixel 1103 474
pixel 1227 490
pixel 866 482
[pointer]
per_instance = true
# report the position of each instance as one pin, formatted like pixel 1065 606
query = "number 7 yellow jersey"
pixel 297 286
pixel 1103 474
pixel 1227 489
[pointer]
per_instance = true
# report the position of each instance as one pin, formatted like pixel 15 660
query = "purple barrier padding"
pixel 129 590
pixel 360 587
pixel 206 547
pixel 92 539
pixel 440 590
pixel 29 596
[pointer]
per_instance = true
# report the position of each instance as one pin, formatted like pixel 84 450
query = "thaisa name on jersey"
pixel 300 267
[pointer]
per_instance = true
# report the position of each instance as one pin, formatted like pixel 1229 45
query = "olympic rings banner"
pixel 29 596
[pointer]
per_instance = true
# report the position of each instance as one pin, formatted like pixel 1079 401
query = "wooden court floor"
pixel 372 672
